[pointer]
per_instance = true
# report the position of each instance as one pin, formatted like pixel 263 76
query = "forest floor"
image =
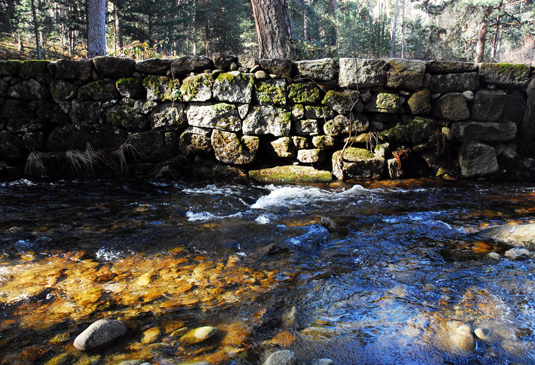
pixel 10 50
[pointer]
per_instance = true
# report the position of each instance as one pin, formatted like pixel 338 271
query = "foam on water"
pixel 207 216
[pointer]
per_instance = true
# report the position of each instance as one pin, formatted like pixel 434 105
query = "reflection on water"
pixel 377 273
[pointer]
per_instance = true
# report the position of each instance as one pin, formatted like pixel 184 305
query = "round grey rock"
pixel 99 333
pixel 469 95
pixel 260 75
pixel 283 357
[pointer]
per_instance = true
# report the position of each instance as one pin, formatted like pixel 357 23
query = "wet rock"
pixel 304 93
pixel 221 116
pixel 316 362
pixel 234 87
pixel 197 88
pixel 150 335
pixel 477 159
pixel 98 91
pixel 522 235
pixel 29 90
pixel 60 359
pixel 290 174
pixel 420 102
pixel 321 70
pixel 267 119
pixel 232 149
pixel 279 67
pixel 186 64
pixel 451 106
pixel 131 88
pixel 488 105
pixel 461 336
pixel 405 74
pixel 453 82
pixel 158 66
pixel 357 73
pixel 271 92
pixel 100 333
pixel 115 67
pixel 484 131
pixel 482 333
pixel 168 116
pixel 198 335
pixel 283 357
pixel 506 74
pixel 517 253
pixel 162 88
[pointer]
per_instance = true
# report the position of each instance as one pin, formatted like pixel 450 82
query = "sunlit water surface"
pixel 361 274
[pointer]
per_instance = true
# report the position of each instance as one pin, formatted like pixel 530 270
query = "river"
pixel 368 273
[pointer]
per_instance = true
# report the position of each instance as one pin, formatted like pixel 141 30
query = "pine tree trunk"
pixel 36 30
pixel 96 29
pixel 272 27
pixel 403 29
pixel 393 39
pixel 482 36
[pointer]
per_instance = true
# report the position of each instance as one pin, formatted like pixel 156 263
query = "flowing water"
pixel 371 273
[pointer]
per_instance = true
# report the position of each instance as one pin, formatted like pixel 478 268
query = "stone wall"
pixel 271 119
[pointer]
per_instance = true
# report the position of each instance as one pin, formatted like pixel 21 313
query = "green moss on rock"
pixel 131 87
pixel 304 93
pixel 162 88
pixel 271 92
pixel 290 174
pixel 197 88
pixel 341 102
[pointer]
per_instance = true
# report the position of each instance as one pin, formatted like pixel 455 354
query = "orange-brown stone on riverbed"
pixel 198 335
pixel 236 334
pixel 284 339
pixel 150 335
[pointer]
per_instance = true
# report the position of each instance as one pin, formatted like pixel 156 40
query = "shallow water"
pixel 369 273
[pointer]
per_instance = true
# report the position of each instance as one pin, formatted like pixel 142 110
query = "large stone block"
pixel 451 106
pixel 514 109
pixel 29 90
pixel 290 174
pixel 186 64
pixel 74 70
pixel 221 116
pixel 484 131
pixel 304 93
pixel 233 149
pixel 358 164
pixel 194 144
pixel 446 83
pixel 279 67
pixel 197 88
pixel 420 102
pixel 477 159
pixel 320 70
pixel 358 73
pixel 488 105
pixel 271 92
pixel 150 146
pixel 162 88
pixel 446 67
pixel 33 69
pixel 168 117
pixel 131 87
pixel 342 125
pixel 506 74
pixel 234 87
pixel 341 102
pixel 282 147
pixel 9 68
pixel 405 74
pixel 115 67
pixel 154 66
pixel 62 90
pixel 383 103
pixel 266 119
pixel 126 117
pixel 98 91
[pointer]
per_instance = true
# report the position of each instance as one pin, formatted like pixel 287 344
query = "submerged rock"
pixel 521 235
pixel 290 174
pixel 198 335
pixel 283 357
pixel 100 333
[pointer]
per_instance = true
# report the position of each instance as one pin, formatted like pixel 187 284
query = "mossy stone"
pixel 162 88
pixel 126 117
pixel 324 142
pixel 99 91
pixel 197 88
pixel 131 87
pixel 62 90
pixel 290 174
pixel 271 92
pixel 384 103
pixel 420 102
pixel 341 102
pixel 304 93
pixel 234 87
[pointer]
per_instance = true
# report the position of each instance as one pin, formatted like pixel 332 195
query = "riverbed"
pixel 361 273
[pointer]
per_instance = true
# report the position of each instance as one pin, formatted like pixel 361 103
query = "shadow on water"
pixel 374 273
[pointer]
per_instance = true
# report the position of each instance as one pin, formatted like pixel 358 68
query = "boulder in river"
pixel 283 357
pixel 100 333
pixel 522 235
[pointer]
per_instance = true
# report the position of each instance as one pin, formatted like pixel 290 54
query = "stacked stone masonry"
pixel 273 119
